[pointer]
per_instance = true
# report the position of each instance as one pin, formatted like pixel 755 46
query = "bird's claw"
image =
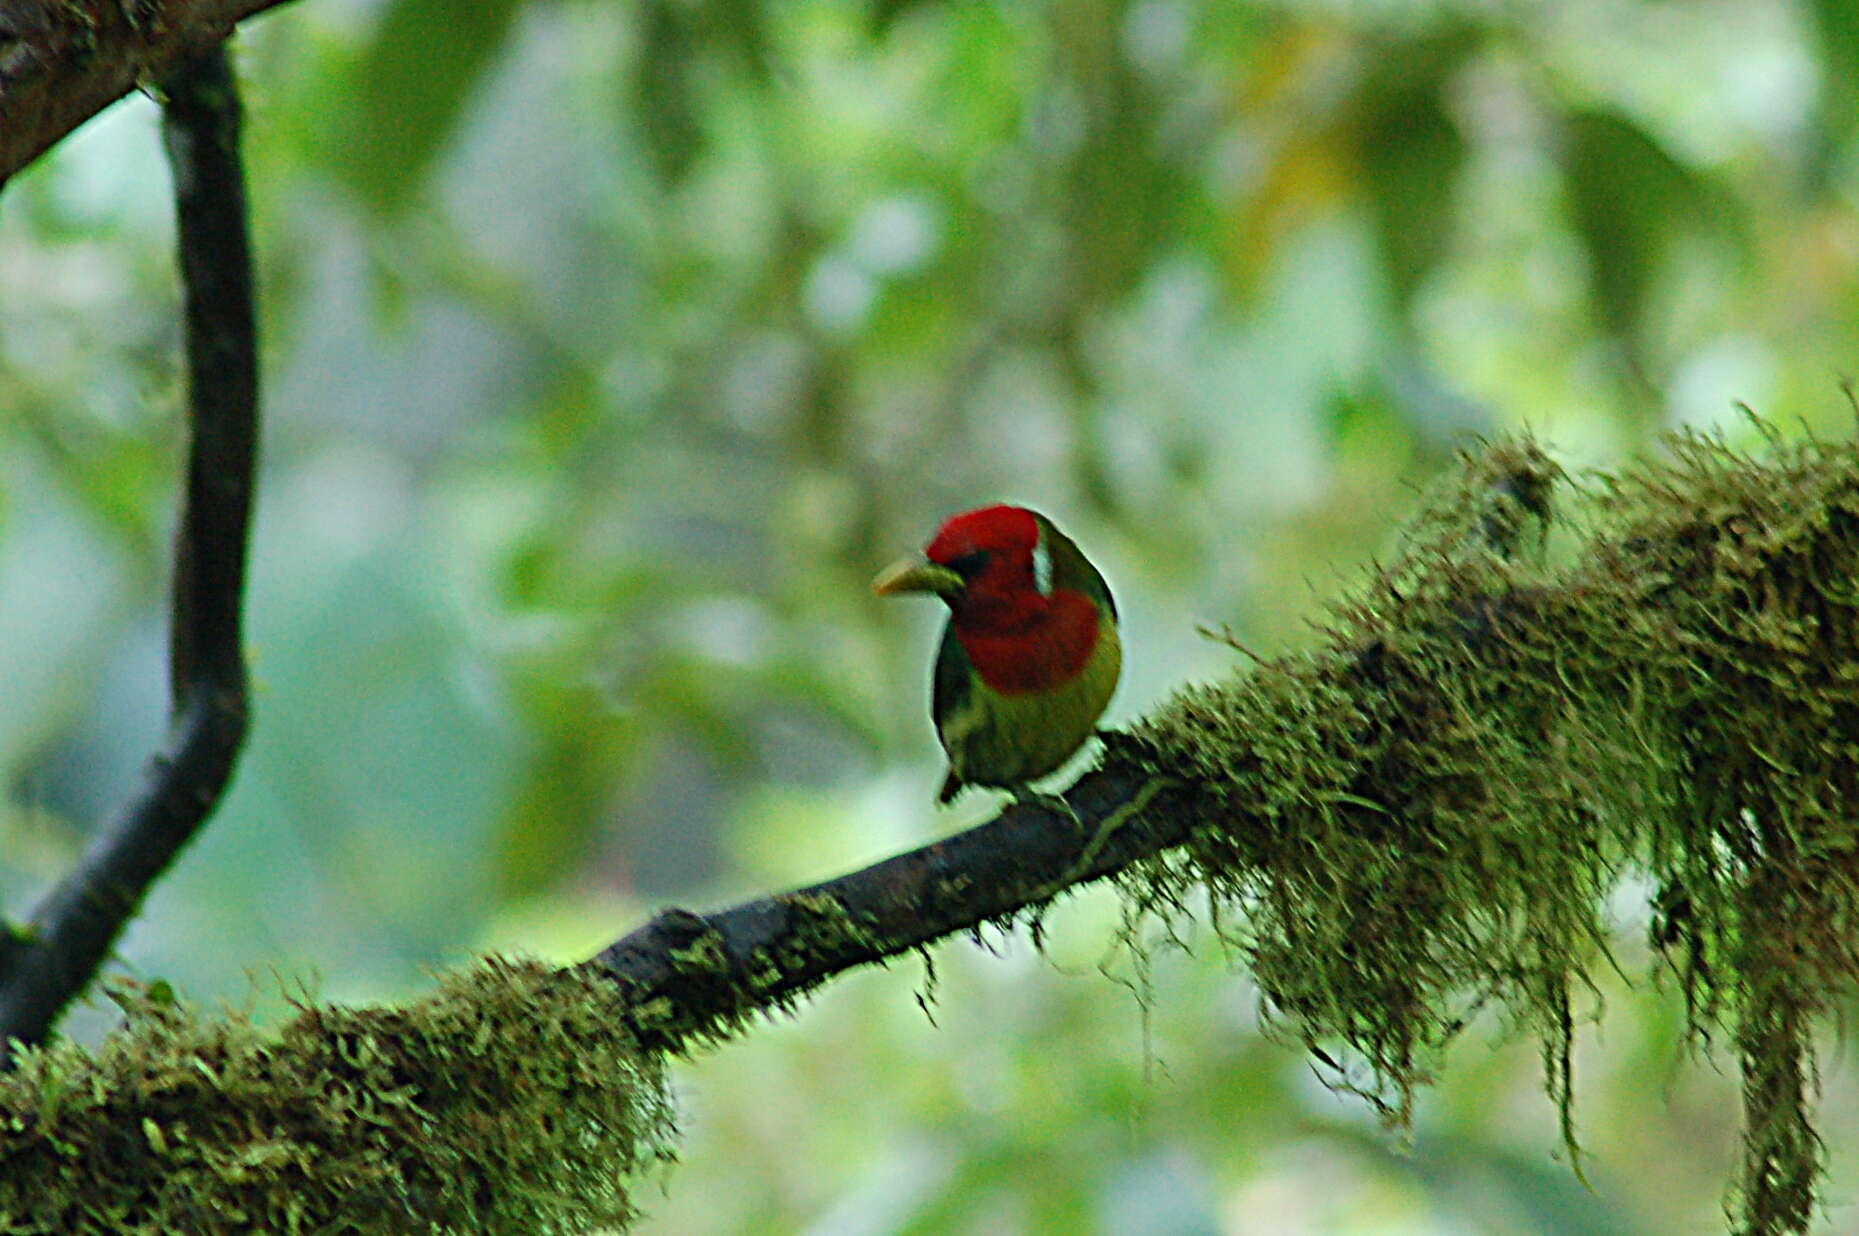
pixel 1047 802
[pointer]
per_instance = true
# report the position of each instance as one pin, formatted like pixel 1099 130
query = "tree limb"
pixel 63 61
pixel 687 976
pixel 73 928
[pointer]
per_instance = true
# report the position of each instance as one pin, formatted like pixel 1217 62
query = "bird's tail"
pixel 951 786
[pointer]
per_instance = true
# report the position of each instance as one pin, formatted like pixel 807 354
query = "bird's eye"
pixel 970 564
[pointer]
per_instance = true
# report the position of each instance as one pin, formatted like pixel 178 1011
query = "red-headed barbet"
pixel 1030 656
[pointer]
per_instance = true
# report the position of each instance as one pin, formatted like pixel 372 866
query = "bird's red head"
pixel 995 549
pixel 990 565
pixel 1023 601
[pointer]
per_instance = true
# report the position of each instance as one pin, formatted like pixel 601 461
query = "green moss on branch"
pixel 1427 815
pixel 508 1101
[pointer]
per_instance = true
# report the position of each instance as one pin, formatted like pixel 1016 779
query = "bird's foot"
pixel 1029 797
pixel 1107 828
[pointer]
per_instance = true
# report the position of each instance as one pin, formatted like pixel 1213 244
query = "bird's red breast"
pixel 1048 648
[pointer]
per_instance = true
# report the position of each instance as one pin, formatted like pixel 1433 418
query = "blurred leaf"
pixel 408 92
pixel 662 88
pixel 1411 152
pixel 1476 1179
pixel 680 41
pixel 697 696
pixel 1441 412
pixel 1122 195
pixel 584 750
pixel 885 13
pixel 122 481
pixel 1836 22
pixel 1628 194
pixel 1305 179
pixel 741 26
pixel 1305 168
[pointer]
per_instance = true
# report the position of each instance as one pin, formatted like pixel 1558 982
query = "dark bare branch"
pixel 73 928
pixel 764 953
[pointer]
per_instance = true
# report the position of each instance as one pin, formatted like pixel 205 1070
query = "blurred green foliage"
pixel 609 350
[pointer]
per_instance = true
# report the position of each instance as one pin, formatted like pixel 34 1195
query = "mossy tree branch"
pixel 1428 813
pixel 689 977
pixel 56 956
pixel 63 61
pixel 1424 815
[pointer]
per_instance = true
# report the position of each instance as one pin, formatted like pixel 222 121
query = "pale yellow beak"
pixel 916 574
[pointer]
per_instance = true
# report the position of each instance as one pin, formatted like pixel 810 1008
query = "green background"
pixel 611 348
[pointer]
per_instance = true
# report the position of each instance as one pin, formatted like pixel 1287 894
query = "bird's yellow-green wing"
pixel 1071 569
pixel 951 697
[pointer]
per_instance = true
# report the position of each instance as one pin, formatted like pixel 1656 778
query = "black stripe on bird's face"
pixel 970 564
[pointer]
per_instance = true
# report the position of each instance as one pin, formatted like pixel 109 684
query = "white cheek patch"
pixel 1042 567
